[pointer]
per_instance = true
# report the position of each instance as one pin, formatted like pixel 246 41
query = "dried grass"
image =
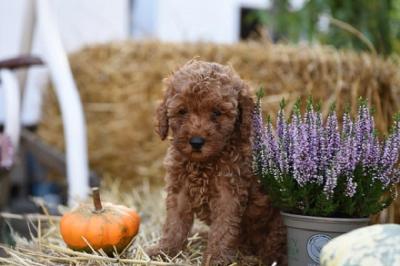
pixel 47 247
pixel 120 84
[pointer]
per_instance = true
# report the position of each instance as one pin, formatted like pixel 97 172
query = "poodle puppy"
pixel 208 165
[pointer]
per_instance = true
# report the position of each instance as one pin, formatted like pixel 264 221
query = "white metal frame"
pixel 70 103
pixel 11 92
pixel 68 98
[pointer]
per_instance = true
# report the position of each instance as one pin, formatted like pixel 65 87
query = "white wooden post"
pixel 69 101
pixel 12 120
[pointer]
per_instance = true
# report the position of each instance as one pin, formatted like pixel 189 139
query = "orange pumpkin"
pixel 104 227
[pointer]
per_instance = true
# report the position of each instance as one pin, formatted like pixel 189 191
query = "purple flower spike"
pixel 283 141
pixel 332 137
pixel 351 187
pixel 390 155
pixel 259 148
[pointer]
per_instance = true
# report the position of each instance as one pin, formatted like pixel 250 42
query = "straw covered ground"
pixel 47 247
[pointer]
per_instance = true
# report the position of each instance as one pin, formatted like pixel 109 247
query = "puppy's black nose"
pixel 197 142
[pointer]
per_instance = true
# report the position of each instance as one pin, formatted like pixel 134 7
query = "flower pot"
pixel 307 235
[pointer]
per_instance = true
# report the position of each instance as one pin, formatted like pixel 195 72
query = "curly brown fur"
pixel 214 183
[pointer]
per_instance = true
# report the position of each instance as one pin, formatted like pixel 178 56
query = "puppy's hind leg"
pixel 274 247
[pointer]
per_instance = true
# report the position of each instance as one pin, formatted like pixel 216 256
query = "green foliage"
pixel 260 93
pixel 378 21
pixel 297 107
pixel 282 103
pixel 310 200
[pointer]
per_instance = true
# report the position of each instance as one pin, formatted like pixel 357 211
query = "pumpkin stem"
pixel 96 199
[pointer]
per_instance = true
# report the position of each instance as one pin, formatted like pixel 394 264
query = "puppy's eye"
pixel 182 111
pixel 216 113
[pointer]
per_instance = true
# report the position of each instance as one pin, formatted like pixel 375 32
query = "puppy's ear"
pixel 246 106
pixel 162 125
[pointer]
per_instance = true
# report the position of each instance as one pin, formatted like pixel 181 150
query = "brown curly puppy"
pixel 209 168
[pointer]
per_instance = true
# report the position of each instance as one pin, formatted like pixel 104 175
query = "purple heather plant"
pixel 314 168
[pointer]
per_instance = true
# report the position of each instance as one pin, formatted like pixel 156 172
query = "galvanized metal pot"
pixel 307 235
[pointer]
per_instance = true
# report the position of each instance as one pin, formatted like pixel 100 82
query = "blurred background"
pixel 119 51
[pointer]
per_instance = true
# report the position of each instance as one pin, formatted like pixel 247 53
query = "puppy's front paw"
pixel 153 251
pixel 216 260
pixel 156 250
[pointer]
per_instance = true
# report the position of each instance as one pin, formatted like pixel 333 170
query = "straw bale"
pixel 120 84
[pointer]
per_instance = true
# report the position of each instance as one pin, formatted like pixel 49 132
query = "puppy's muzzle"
pixel 197 142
